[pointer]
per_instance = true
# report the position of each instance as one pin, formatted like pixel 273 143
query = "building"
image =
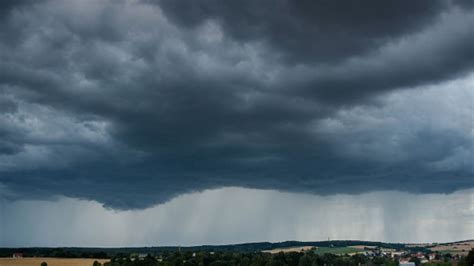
pixel 17 255
pixel 431 256
pixel 142 256
pixel 397 254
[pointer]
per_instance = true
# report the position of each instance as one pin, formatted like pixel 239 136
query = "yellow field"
pixel 455 248
pixel 50 261
pixel 288 249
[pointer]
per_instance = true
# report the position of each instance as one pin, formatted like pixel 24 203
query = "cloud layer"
pixel 131 103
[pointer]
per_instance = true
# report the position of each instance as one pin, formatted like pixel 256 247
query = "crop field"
pixel 50 261
pixel 335 250
pixel 462 247
pixel 288 249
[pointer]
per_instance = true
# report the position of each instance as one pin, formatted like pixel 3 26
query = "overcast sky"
pixel 237 215
pixel 110 108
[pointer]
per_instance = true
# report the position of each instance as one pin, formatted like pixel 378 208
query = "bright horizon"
pixel 188 220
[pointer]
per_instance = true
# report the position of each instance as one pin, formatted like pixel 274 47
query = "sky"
pixel 141 122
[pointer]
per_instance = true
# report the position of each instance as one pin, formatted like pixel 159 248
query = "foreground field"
pixel 50 261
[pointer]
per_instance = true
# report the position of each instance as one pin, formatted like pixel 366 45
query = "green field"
pixel 335 250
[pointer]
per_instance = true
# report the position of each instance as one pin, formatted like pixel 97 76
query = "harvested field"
pixel 50 261
pixel 454 248
pixel 289 249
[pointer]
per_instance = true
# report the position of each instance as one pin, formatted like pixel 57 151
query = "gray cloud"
pixel 131 103
pixel 311 31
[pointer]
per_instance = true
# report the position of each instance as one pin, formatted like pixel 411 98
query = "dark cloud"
pixel 131 103
pixel 7 106
pixel 310 31
pixel 7 5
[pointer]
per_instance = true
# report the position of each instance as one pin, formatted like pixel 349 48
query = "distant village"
pixel 331 253
pixel 413 258
pixel 406 255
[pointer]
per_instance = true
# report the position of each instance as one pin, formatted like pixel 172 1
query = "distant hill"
pixel 71 252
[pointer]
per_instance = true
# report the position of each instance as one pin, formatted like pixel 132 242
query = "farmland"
pixel 50 261
pixel 317 250
pixel 462 247
pixel 289 249
pixel 335 250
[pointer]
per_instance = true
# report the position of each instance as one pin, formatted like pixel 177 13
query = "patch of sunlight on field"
pixel 50 261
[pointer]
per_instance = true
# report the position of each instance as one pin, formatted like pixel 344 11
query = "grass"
pixel 50 261
pixel 335 250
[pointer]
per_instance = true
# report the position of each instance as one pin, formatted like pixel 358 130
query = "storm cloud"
pixel 131 103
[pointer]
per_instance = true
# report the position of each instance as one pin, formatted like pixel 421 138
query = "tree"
pixel 470 258
pixel 415 260
pixel 96 263
pixel 305 261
